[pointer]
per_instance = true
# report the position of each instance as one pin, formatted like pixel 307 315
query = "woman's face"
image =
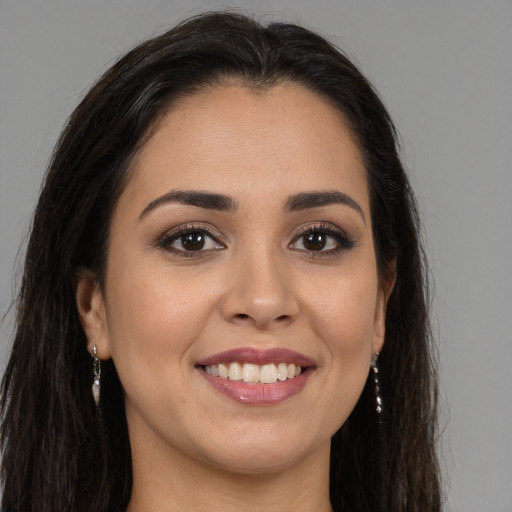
pixel 241 245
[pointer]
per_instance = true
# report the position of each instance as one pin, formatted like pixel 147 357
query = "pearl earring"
pixel 378 398
pixel 96 384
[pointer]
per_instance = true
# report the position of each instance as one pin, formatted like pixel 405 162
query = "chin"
pixel 257 463
pixel 264 452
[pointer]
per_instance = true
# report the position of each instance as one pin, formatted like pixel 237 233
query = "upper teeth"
pixel 266 374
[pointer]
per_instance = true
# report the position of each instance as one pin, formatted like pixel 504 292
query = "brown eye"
pixel 314 241
pixel 192 241
pixel 322 240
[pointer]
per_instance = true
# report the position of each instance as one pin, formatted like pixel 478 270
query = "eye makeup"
pixel 318 240
pixel 321 240
pixel 191 240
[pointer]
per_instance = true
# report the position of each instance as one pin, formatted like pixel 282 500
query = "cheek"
pixel 344 314
pixel 154 318
pixel 343 318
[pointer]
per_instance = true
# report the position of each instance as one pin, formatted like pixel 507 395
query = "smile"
pixel 257 377
pixel 253 373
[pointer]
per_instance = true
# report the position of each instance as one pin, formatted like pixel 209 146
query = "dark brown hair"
pixel 57 456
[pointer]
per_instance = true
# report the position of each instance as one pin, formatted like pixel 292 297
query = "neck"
pixel 168 480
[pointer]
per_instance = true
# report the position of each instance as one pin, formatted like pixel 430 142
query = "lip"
pixel 259 393
pixel 258 356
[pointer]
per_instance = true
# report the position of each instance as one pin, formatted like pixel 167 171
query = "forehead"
pixel 235 140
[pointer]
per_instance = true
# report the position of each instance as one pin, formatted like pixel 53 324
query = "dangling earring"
pixel 96 385
pixel 378 398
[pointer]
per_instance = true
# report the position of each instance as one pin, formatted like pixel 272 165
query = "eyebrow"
pixel 306 200
pixel 222 202
pixel 199 198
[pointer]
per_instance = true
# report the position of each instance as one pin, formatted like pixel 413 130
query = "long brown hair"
pixel 57 456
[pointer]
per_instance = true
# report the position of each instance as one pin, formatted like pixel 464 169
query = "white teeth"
pixel 253 373
pixel 282 371
pixel 235 371
pixel 223 371
pixel 268 373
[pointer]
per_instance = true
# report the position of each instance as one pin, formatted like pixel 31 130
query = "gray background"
pixel 444 69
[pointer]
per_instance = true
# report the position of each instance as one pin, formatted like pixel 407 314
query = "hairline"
pixel 216 81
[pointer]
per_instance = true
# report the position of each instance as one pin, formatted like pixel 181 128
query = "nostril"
pixel 260 320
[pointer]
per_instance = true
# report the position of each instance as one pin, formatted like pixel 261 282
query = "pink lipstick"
pixel 258 356
pixel 257 377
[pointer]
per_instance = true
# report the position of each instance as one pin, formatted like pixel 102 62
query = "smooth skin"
pixel 184 282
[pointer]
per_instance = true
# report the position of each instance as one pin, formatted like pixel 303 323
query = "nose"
pixel 260 293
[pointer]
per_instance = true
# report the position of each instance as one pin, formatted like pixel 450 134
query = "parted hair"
pixel 57 454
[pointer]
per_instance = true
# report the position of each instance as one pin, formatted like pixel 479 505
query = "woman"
pixel 226 248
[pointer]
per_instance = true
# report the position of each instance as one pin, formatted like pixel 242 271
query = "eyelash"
pixel 167 239
pixel 343 242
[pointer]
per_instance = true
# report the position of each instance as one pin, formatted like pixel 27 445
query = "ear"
pixel 385 289
pixel 92 313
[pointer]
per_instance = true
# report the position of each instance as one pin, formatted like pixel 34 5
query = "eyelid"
pixel 323 227
pixel 164 240
pixel 193 226
pixel 343 240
